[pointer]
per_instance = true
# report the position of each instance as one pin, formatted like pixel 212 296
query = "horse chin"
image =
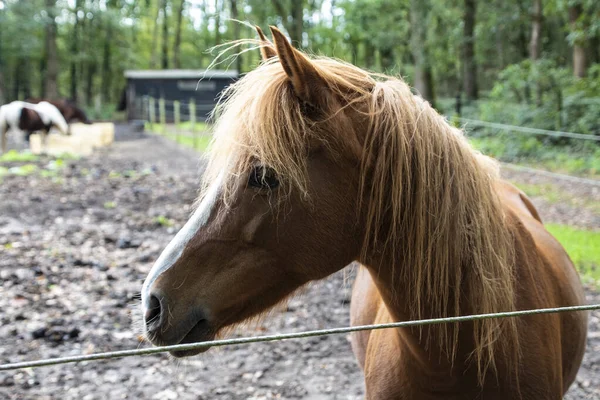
pixel 201 332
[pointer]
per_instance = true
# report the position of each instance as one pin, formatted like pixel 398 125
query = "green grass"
pixel 184 126
pixel 552 194
pixel 163 221
pixel 583 247
pixel 195 139
pixel 25 163
pixel 16 156
pixel 576 159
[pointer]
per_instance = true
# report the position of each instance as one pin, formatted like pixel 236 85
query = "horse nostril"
pixel 152 316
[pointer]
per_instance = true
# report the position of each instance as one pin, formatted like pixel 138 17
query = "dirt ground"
pixel 75 249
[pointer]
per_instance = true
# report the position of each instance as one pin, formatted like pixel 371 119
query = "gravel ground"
pixel 76 248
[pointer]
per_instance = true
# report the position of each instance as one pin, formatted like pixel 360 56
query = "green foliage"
pixel 542 95
pixel 16 156
pixel 98 40
pixel 572 158
pixel 583 246
pixel 552 194
pixel 163 221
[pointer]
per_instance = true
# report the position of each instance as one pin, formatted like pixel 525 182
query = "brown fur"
pixel 69 110
pixel 370 172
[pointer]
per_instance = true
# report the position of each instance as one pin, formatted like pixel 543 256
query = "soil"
pixel 75 249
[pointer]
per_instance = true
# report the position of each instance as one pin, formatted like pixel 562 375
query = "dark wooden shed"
pixel 175 84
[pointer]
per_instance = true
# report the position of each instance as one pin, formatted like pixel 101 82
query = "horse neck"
pixel 437 244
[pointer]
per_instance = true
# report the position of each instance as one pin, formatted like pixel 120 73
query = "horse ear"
pixel 266 50
pixel 305 79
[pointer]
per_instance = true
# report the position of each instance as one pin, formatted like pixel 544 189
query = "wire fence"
pixel 160 111
pixel 285 336
pixel 529 131
pixel 188 126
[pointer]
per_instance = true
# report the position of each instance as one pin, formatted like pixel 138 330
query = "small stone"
pixel 39 333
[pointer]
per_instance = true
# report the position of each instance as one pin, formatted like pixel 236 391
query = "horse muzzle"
pixel 164 329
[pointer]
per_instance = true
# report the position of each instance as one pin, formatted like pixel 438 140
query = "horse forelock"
pixel 429 198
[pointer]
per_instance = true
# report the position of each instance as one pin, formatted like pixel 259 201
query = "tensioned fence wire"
pixel 528 130
pixel 285 336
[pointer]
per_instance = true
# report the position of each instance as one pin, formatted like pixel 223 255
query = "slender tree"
pixel 165 37
pixel 536 30
pixel 107 53
pixel 236 31
pixel 177 44
pixel 154 44
pixel 423 80
pixel 51 87
pixel 469 65
pixel 75 51
pixel 579 56
pixel 291 13
pixel 217 22
pixel 2 63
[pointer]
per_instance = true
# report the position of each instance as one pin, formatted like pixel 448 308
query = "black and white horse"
pixel 28 118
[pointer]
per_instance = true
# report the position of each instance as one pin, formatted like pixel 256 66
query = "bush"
pixel 542 95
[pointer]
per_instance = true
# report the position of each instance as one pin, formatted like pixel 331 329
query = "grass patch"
pixel 16 156
pixel 26 163
pixel 184 134
pixel 199 142
pixel 163 221
pixel 583 247
pixel 572 158
pixel 553 195
pixel 184 126
pixel 545 190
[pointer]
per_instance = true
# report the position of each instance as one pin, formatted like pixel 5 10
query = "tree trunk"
pixel 177 45
pixel 594 50
pixel 297 22
pixel 292 19
pixel 423 81
pixel 579 59
pixel 43 76
pixel 2 65
pixel 16 87
pixel 217 22
pixel 387 58
pixel 470 68
pixel 165 37
pixel 500 47
pixel 154 55
pixel 74 52
pixel 536 30
pixel 89 82
pixel 369 54
pixel 106 64
pixel 51 52
pixel 25 77
pixel 236 32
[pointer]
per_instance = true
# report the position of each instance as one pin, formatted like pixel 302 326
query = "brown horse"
pixel 317 163
pixel 68 109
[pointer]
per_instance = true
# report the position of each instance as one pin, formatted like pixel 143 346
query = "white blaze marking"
pixel 175 248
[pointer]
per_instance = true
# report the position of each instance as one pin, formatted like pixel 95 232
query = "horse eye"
pixel 263 178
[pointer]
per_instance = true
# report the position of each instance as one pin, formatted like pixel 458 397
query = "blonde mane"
pixel 428 198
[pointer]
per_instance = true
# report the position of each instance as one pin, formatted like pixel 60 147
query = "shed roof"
pixel 180 74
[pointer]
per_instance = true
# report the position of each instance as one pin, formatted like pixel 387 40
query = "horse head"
pixel 278 208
